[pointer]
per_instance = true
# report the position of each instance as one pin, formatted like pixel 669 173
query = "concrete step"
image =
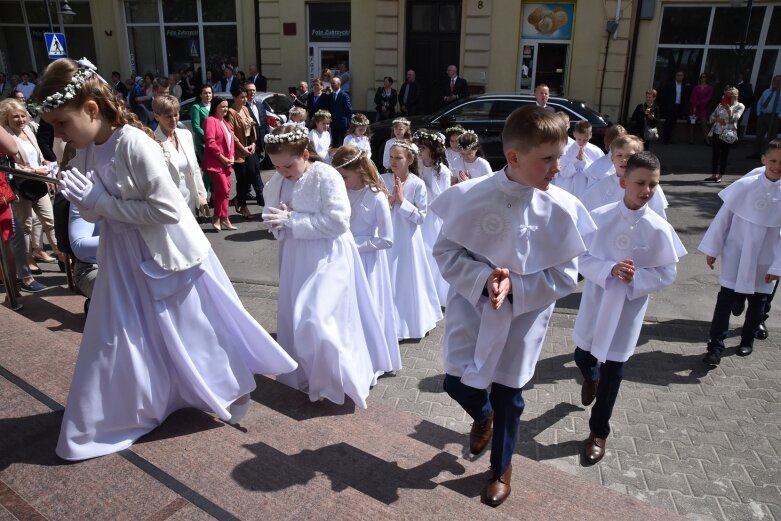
pixel 291 459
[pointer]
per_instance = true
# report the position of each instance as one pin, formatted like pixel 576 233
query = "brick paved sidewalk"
pixel 704 444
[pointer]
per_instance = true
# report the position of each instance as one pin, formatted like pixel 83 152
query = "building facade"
pixel 606 53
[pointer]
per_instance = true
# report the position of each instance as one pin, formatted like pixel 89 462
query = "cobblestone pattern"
pixel 705 444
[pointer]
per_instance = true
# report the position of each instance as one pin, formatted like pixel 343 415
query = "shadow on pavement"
pixel 30 440
pixel 345 466
pixel 295 404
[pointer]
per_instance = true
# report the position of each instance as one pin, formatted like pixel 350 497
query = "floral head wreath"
pixel 471 146
pixel 353 159
pixel 402 121
pixel 85 71
pixel 453 130
pixel 359 120
pixel 291 136
pixel 429 135
pixel 322 114
pixel 412 147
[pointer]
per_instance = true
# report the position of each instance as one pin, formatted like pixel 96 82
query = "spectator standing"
pixel 541 96
pixel 699 101
pixel 385 100
pixel 317 99
pixel 245 136
pixel 408 95
pixel 119 85
pixel 5 86
pixel 258 114
pixel 643 120
pixel 673 99
pixel 724 133
pixel 257 79
pixel 301 95
pixel 198 114
pixel 229 81
pixel 746 96
pixel 341 112
pixel 344 77
pixel 218 154
pixel 455 87
pixel 768 113
pixel 26 86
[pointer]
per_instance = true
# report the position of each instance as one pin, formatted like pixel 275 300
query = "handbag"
pixel 728 135
pixel 32 190
pixel 651 133
pixel 7 196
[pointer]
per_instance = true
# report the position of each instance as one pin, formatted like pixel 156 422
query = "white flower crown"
pixel 457 128
pixel 409 146
pixel 471 146
pixel 427 134
pixel 351 160
pixel 85 71
pixel 292 136
pixel 322 114
pixel 403 121
pixel 359 120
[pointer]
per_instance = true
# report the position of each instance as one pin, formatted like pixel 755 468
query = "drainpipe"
pixel 257 35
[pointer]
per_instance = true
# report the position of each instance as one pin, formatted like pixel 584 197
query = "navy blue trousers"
pixel 610 374
pixel 507 405
pixel 719 326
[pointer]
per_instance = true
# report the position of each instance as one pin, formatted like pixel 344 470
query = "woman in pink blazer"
pixel 218 150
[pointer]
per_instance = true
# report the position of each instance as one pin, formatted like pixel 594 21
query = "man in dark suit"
pixel 454 88
pixel 301 96
pixel 229 81
pixel 119 85
pixel 673 100
pixel 408 95
pixel 341 111
pixel 258 113
pixel 258 79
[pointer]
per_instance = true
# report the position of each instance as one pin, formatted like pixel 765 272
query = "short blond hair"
pixel 530 126
pixel 7 106
pixel 165 104
pixel 627 140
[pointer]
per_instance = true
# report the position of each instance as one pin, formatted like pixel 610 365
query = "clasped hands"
pixel 83 190
pixel 624 270
pixel 277 218
pixel 498 286
pixel 398 192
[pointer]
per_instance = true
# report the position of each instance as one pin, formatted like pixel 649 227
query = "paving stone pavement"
pixel 704 444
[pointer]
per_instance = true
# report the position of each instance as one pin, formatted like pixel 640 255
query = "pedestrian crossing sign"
pixel 55 45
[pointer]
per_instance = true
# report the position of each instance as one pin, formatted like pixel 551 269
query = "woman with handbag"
pixel 34 195
pixel 385 100
pixel 643 119
pixel 724 133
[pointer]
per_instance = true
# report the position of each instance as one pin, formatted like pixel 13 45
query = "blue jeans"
pixel 610 374
pixel 719 327
pixel 507 405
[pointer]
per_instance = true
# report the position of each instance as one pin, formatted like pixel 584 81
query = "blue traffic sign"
pixel 55 45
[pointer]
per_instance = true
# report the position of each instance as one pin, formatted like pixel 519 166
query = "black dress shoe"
pixel 712 358
pixel 498 488
pixel 738 305
pixel 745 350
pixel 595 449
pixel 480 435
pixel 588 391
pixel 761 332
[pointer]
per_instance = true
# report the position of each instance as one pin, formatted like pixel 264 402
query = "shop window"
pixel 449 18
pixel 669 61
pixel 729 24
pixel 220 44
pixel 774 30
pixel 81 42
pixel 11 40
pixel 684 25
pixel 141 11
pixel 422 17
pixel 11 12
pixel 182 44
pixel 180 11
pixel 224 11
pixel 36 13
pixel 145 52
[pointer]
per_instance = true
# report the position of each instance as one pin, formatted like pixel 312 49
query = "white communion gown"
pixel 436 183
pixel 372 229
pixel 414 293
pixel 326 316
pixel 156 341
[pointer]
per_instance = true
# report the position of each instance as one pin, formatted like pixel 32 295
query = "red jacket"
pixel 216 143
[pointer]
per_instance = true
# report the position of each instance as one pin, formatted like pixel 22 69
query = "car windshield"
pixel 279 104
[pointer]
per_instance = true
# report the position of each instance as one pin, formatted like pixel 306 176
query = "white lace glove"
pixel 277 218
pixel 82 190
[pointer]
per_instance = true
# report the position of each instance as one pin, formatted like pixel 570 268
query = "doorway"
pixel 323 57
pixel 544 62
pixel 433 43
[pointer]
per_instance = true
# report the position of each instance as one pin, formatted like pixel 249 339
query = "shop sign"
pixel 548 21
pixel 329 22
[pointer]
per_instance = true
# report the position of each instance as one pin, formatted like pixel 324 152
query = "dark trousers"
pixel 719 156
pixel 337 136
pixel 254 180
pixel 767 130
pixel 507 405
pixel 242 183
pixel 719 326
pixel 768 304
pixel 610 374
pixel 670 119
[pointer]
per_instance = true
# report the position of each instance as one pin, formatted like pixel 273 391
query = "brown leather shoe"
pixel 498 488
pixel 480 435
pixel 588 391
pixel 595 449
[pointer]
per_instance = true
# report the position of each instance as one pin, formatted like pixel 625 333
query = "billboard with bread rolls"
pixel 548 21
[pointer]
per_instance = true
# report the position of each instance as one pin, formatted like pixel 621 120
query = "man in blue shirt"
pixel 768 113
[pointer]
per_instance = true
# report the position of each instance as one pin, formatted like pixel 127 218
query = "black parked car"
pixel 485 114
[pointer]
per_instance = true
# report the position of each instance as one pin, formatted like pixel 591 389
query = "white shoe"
pixel 238 411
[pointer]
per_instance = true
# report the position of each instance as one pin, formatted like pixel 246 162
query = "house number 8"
pixel 480 4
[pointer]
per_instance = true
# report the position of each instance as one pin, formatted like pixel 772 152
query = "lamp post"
pixel 63 10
